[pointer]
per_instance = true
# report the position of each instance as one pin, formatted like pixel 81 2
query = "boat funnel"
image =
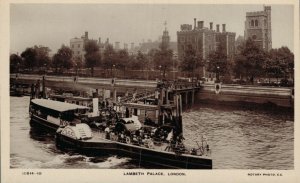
pixel 95 107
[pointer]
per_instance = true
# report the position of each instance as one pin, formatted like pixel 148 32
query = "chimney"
pixel 107 40
pixel 200 24
pixel 223 27
pixel 194 23
pixel 218 28
pixel 125 46
pixel 117 45
pixel 99 40
pixel 86 35
pixel 210 25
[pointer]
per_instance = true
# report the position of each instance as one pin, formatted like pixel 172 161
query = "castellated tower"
pixel 258 27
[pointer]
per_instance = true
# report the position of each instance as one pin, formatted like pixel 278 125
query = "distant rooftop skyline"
pixel 55 24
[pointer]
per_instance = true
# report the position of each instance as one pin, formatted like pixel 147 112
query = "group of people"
pixel 36 90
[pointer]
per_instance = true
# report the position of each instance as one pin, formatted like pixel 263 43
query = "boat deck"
pixel 99 137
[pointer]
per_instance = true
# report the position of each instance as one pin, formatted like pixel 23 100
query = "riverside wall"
pixel 282 97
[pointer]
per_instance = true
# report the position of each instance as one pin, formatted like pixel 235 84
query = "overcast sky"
pixel 55 24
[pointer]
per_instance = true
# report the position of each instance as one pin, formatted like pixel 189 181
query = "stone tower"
pixel 258 28
pixel 165 38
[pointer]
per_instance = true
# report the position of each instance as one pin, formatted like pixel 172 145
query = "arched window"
pixel 256 23
pixel 252 23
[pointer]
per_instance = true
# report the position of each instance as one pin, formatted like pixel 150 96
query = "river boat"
pixel 161 144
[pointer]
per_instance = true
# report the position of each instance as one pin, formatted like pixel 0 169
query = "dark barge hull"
pixel 160 159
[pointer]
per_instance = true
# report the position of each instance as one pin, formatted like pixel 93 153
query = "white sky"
pixel 55 24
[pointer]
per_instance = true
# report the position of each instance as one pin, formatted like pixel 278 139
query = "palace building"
pixel 205 40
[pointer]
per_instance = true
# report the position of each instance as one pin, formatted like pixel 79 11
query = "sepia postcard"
pixel 144 91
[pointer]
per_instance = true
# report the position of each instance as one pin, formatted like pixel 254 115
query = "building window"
pixel 79 46
pixel 78 52
pixel 182 39
pixel 254 37
pixel 252 23
pixel 256 23
pixel 72 45
pixel 265 22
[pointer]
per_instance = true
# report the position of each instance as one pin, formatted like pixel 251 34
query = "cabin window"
pixel 135 112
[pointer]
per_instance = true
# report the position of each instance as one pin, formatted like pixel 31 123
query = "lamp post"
pixel 114 68
pixel 160 73
pixel 218 74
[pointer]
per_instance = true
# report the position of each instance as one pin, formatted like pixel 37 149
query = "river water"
pixel 239 139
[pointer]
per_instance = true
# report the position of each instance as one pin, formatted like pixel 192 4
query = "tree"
pixel 280 63
pixel 15 63
pixel 42 56
pixel 63 58
pixel 141 60
pixel 122 60
pixel 163 59
pixel 78 63
pixel 218 63
pixel 109 58
pixel 191 60
pixel 251 60
pixel 29 57
pixel 92 55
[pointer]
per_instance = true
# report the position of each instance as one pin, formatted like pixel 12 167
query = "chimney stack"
pixel 218 28
pixel 117 45
pixel 125 46
pixel 99 40
pixel 107 40
pixel 86 35
pixel 210 25
pixel 200 24
pixel 194 23
pixel 223 27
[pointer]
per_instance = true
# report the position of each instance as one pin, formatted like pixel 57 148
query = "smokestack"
pixel 218 28
pixel 210 25
pixel 223 27
pixel 194 23
pixel 95 107
pixel 99 40
pixel 86 35
pixel 107 40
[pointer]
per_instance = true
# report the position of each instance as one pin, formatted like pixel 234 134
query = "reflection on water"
pixel 239 139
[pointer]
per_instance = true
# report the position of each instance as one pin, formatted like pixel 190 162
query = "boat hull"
pixel 160 159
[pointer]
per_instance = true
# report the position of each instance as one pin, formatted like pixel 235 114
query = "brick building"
pixel 258 27
pixel 205 40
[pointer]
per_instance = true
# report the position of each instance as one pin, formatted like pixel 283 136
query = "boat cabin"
pixel 56 112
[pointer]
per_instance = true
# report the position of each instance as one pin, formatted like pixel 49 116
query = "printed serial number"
pixel 31 173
